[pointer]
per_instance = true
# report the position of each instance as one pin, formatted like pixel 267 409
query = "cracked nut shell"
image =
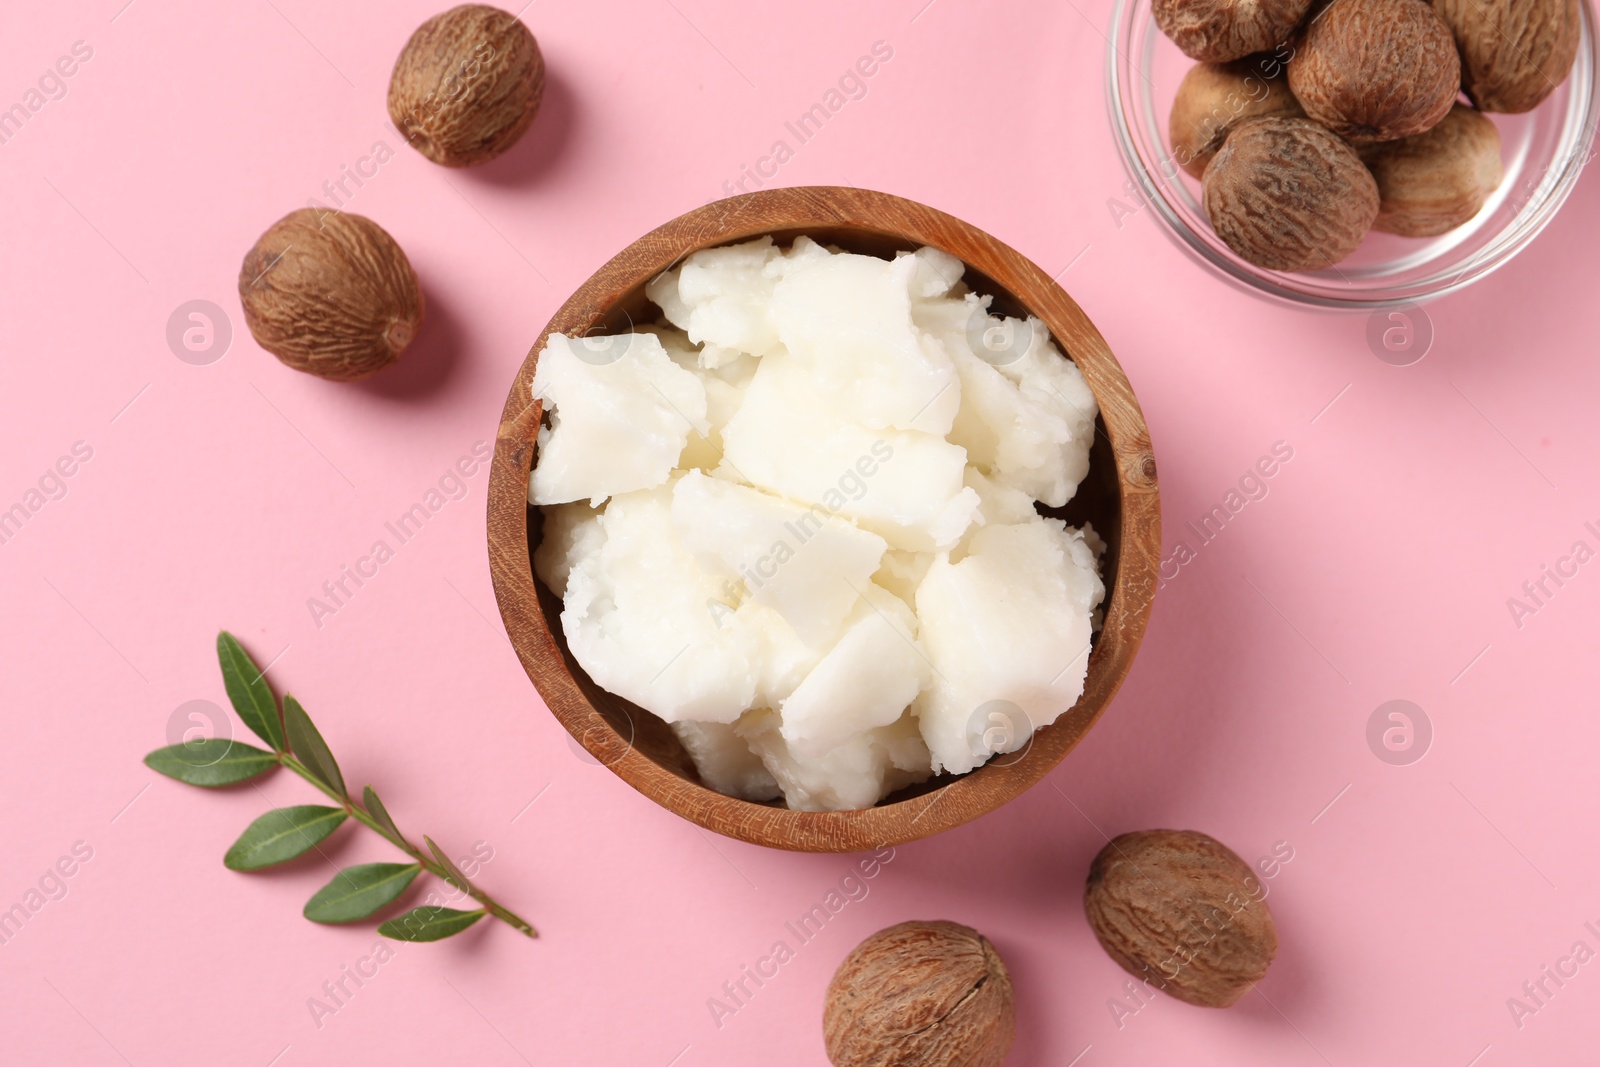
pixel 1180 911
pixel 331 294
pixel 467 85
pixel 920 994
pixel 1433 182
pixel 1215 97
pixel 1374 70
pixel 1286 194
pixel 1513 52
pixel 1216 31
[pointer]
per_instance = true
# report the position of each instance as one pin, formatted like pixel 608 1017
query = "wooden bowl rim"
pixel 883 215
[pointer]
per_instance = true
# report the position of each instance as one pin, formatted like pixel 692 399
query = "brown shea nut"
pixel 1286 194
pixel 1435 181
pixel 1216 31
pixel 467 85
pixel 1214 97
pixel 920 994
pixel 1374 70
pixel 1513 52
pixel 331 294
pixel 1178 910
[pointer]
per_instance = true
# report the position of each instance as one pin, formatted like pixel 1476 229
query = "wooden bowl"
pixel 1119 497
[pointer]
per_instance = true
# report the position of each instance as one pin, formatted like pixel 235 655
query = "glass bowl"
pixel 1544 152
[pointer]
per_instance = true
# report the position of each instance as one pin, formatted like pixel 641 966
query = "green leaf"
pixel 379 813
pixel 282 834
pixel 306 743
pixel 429 924
pixel 357 892
pixel 212 762
pixel 453 873
pixel 248 690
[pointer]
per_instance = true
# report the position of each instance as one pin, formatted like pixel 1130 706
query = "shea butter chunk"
pixel 570 532
pixel 804 563
pixel 724 382
pixel 847 320
pixel 725 761
pixel 857 774
pixel 638 618
pixel 1009 622
pixel 617 422
pixel 723 297
pixel 1026 416
pixel 936 273
pixel 999 504
pixel 902 572
pixel 903 485
pixel 865 681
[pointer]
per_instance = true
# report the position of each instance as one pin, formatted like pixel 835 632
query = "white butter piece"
pixel 901 572
pixel 724 381
pixel 1009 622
pixel 904 485
pixel 570 532
pixel 865 681
pixel 725 761
pixel 937 273
pixel 855 775
pixel 723 296
pixel 804 563
pixel 1000 503
pixel 846 320
pixel 638 618
pixel 616 425
pixel 1026 416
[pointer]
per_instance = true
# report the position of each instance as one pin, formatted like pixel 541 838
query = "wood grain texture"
pixel 1119 497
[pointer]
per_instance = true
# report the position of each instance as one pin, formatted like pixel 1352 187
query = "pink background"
pixel 1377 568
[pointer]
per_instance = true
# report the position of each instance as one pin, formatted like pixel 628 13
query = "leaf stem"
pixel 429 864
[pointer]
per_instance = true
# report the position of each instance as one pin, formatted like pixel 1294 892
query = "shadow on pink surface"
pixel 425 370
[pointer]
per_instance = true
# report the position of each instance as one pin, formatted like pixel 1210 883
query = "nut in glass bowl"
pixel 1544 153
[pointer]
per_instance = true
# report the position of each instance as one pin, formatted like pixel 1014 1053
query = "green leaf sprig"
pixel 357 892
